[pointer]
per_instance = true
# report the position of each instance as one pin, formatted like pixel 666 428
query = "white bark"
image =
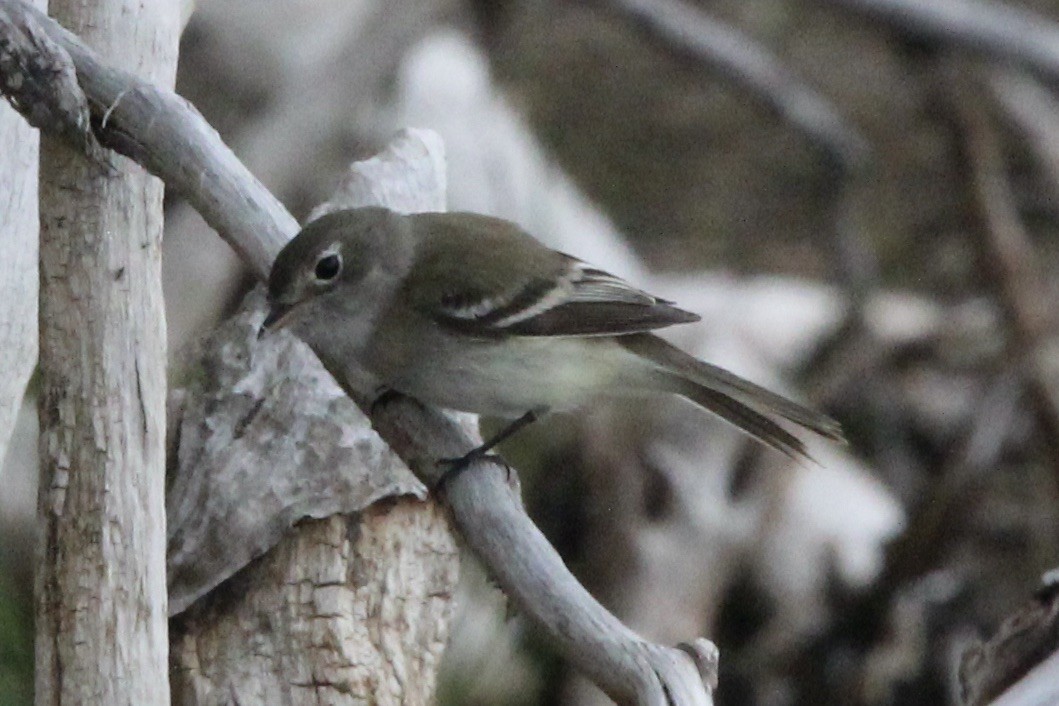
pixel 348 610
pixel 359 605
pixel 19 226
pixel 171 139
pixel 101 602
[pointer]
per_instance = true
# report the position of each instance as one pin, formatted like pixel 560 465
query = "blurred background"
pixel 859 197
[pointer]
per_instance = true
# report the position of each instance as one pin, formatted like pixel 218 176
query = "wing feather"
pixel 531 291
pixel 581 301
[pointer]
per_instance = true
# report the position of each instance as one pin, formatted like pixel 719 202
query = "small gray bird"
pixel 470 313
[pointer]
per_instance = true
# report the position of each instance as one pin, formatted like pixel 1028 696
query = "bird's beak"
pixel 276 318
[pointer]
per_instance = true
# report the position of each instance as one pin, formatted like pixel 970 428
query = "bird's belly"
pixel 509 378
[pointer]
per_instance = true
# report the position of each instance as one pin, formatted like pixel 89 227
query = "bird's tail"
pixel 732 398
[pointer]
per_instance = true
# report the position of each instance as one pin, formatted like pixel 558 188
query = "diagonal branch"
pixel 154 127
pixel 991 28
pixel 1034 110
pixel 688 29
pixel 169 138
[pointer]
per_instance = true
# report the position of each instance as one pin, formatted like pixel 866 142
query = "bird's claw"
pixel 383 396
pixel 456 466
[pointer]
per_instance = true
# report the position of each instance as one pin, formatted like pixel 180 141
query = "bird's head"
pixel 330 264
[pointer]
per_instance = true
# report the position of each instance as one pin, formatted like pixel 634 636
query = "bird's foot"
pixel 384 395
pixel 456 466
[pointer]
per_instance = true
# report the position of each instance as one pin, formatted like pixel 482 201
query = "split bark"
pixel 100 587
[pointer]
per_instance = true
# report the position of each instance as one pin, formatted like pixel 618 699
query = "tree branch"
pixel 154 127
pixel 1035 111
pixel 990 28
pixel 688 29
pixel 1019 664
pixel 175 143
pixel 1007 250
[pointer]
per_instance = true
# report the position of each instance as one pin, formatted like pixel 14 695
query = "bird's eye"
pixel 328 267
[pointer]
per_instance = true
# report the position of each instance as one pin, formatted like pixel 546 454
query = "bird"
pixel 469 312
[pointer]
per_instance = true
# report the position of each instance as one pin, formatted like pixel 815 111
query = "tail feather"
pixel 719 378
pixel 753 423
pixel 743 402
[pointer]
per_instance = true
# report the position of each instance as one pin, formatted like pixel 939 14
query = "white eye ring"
pixel 328 266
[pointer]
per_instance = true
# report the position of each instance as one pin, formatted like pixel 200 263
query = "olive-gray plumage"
pixel 469 312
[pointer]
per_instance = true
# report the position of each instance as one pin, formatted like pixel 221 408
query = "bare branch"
pixel 173 141
pixel 31 64
pixel 493 523
pixel 1018 665
pixel 1008 251
pixel 164 133
pixel 1035 111
pixel 991 28
pixel 689 30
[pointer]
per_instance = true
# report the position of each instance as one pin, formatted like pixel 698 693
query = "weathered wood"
pixel 357 605
pixel 265 439
pixel 629 668
pixel 347 610
pixel 1018 665
pixel 19 225
pixel 487 510
pixel 101 600
pixel 170 138
pixel 997 29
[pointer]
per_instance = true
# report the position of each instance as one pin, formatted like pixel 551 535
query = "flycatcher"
pixel 468 312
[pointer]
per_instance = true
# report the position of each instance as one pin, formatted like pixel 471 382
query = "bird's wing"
pixel 528 289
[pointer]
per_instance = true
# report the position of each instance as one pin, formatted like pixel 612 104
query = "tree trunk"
pixel 101 592
pixel 347 610
pixel 158 129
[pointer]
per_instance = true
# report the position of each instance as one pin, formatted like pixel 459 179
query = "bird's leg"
pixel 507 432
pixel 458 464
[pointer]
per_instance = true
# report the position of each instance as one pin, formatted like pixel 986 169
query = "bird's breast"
pixel 506 378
